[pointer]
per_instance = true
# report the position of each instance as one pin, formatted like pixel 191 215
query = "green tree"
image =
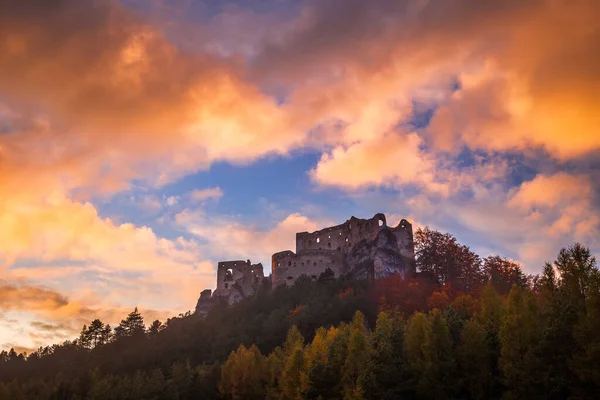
pixel 387 374
pixel 519 338
pixel 356 358
pixel 437 379
pixel 472 356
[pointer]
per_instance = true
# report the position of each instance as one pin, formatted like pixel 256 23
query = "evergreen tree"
pixel 131 326
pixel 437 380
pixel 519 338
pixel 472 356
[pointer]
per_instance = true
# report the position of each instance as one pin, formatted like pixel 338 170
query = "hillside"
pixel 455 330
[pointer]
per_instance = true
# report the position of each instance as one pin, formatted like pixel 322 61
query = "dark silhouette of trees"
pixel 502 335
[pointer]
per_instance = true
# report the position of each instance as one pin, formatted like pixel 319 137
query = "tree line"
pixel 463 327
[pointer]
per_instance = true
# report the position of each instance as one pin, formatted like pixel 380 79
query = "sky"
pixel 141 142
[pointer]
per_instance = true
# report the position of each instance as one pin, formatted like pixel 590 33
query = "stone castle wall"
pixel 330 248
pixel 288 266
pixel 361 247
pixel 237 279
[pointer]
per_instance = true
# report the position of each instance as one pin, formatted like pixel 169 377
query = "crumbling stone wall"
pixel 341 237
pixel 333 248
pixel 288 266
pixel 237 280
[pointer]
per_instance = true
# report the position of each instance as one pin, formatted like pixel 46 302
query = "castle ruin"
pixel 361 247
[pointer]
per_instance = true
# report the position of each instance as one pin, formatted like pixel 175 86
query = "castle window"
pixel 289 263
pixel 290 278
pixel 380 222
pixel 339 249
pixel 318 240
pixel 329 236
pixel 279 264
pixel 340 233
pixel 309 243
pixel 329 245
pixel 226 285
pixel 315 263
pixel 346 239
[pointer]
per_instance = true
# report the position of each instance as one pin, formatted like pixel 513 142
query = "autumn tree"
pixel 449 262
pixel 243 376
pixel 503 273
pixel 356 358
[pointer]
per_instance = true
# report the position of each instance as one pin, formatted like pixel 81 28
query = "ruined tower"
pixel 343 247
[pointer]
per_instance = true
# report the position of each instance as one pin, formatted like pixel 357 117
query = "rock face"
pixel 204 303
pixel 378 258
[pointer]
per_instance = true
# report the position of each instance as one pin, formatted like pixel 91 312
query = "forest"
pixel 464 327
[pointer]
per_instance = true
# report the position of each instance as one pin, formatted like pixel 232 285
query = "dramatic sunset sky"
pixel 142 141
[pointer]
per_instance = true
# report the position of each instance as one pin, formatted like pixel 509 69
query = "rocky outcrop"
pixel 204 303
pixel 377 258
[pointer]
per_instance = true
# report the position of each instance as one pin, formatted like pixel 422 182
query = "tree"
pixel 451 263
pixel 473 360
pixel 503 273
pixel 387 375
pixel 437 381
pixel 155 328
pixel 565 296
pixel 587 335
pixel 131 326
pixel 96 334
pixel 519 338
pixel 243 376
pixel 293 379
pixel 356 358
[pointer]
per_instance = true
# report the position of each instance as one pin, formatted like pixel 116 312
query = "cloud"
pixel 394 160
pixel 116 100
pixel 206 194
pixel 46 316
pixel 231 239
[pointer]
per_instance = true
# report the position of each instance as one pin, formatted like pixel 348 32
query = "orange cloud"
pixel 394 159
pixel 234 239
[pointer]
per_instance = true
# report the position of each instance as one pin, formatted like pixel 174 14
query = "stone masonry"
pixel 363 248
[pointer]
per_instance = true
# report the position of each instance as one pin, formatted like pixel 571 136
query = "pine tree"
pixel 131 326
